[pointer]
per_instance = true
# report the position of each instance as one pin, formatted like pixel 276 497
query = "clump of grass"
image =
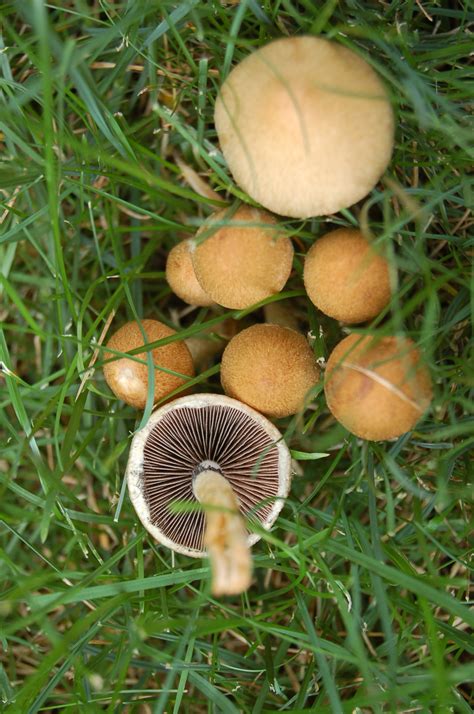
pixel 360 601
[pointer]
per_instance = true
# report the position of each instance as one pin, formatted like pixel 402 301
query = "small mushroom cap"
pixel 128 379
pixel 345 277
pixel 271 368
pixel 243 261
pixel 305 126
pixel 182 278
pixel 377 388
pixel 197 431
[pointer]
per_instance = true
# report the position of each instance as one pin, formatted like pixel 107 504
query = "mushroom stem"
pixel 225 535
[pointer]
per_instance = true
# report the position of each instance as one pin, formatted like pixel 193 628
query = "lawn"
pixel 109 156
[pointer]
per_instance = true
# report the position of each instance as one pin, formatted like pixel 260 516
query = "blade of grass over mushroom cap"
pixel 242 259
pixel 278 117
pixel 128 378
pixel 378 388
pixel 222 453
pixel 346 277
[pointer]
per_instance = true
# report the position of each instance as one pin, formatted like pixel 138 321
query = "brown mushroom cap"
pixel 305 125
pixel 196 432
pixel 345 277
pixel 128 379
pixel 377 388
pixel 243 261
pixel 182 278
pixel 269 367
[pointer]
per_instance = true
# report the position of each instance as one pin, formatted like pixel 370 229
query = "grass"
pixel 360 599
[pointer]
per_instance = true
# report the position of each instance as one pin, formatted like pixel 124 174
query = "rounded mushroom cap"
pixel 182 278
pixel 128 379
pixel 187 434
pixel 305 126
pixel 269 367
pixel 377 387
pixel 345 277
pixel 244 260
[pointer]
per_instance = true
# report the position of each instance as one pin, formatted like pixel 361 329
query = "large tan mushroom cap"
pixel 128 379
pixel 345 277
pixel 305 126
pixel 377 388
pixel 244 260
pixel 270 368
pixel 182 278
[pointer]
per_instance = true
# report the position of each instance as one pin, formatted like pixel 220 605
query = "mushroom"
pixel 305 125
pixel 377 388
pixel 345 277
pixel 182 278
pixel 243 258
pixel 128 379
pixel 215 451
pixel 271 368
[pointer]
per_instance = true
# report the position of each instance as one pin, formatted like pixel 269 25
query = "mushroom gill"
pixel 214 451
pixel 185 439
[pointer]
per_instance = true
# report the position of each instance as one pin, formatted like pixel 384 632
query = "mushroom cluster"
pixel 306 127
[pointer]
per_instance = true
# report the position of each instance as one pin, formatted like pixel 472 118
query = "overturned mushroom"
pixel 209 449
